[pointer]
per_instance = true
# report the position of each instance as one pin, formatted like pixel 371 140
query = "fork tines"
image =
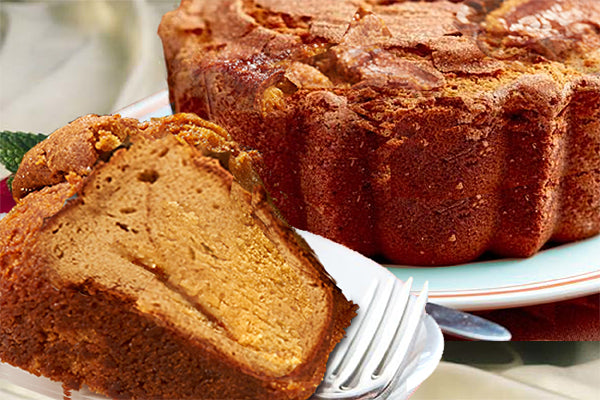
pixel 375 348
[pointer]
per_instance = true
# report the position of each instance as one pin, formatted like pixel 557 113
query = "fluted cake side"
pixel 425 132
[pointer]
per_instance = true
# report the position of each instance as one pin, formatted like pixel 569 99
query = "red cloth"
pixel 6 200
pixel 570 320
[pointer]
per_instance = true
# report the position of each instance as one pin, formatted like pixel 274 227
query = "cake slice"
pixel 146 270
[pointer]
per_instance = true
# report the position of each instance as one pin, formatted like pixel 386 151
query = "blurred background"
pixel 60 59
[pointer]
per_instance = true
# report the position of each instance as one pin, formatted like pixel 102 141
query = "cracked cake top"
pixel 407 45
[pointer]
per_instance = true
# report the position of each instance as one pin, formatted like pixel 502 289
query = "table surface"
pixel 63 59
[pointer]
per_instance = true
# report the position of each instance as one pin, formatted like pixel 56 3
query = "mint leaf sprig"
pixel 13 146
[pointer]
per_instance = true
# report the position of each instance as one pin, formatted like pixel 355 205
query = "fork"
pixel 366 362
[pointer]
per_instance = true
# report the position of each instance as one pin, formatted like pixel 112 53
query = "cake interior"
pixel 171 229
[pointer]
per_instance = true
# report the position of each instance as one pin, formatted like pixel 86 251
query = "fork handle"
pixel 464 325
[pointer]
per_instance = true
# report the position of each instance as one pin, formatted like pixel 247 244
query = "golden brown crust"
pixel 73 148
pixel 372 117
pixel 88 333
pixel 77 147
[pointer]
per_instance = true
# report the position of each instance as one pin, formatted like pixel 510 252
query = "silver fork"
pixel 366 362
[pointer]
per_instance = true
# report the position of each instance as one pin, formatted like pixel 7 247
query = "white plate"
pixel 559 273
pixel 353 274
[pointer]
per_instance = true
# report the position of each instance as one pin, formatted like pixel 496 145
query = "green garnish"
pixel 13 146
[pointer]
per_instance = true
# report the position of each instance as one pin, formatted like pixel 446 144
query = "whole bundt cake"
pixel 144 270
pixel 428 132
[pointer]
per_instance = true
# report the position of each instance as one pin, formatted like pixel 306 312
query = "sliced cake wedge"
pixel 155 274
